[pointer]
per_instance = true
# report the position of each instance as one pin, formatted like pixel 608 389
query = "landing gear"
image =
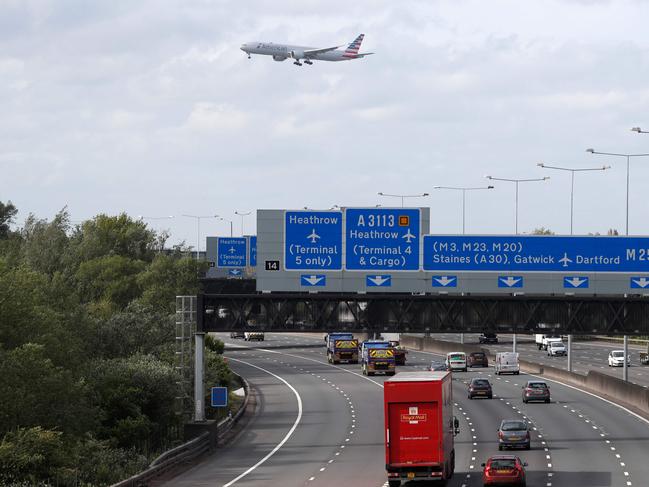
pixel 249 57
pixel 308 62
pixel 297 63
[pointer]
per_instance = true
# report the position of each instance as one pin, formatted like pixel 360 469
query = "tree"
pixel 7 214
pixel 46 244
pixel 115 235
pixel 542 231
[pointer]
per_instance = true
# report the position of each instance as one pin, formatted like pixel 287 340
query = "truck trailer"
pixel 419 427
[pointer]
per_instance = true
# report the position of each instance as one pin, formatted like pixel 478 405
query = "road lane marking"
pixel 288 435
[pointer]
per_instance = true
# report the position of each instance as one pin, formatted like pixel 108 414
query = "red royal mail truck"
pixel 419 427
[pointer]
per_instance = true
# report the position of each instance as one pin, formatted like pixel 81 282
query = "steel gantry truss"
pixel 225 311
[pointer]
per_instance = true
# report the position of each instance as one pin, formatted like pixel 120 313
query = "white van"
pixel 456 361
pixel 507 363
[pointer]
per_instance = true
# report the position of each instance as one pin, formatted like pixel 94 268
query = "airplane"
pixel 313 237
pixel 565 261
pixel 282 52
pixel 232 250
pixel 409 236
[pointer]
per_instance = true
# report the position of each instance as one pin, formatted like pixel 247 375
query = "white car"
pixel 616 359
pixel 556 348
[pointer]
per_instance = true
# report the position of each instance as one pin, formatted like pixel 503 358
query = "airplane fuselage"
pixel 281 52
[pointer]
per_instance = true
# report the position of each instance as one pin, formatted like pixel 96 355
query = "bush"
pixel 214 344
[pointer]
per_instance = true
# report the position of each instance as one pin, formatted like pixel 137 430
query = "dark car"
pixel 504 470
pixel 488 338
pixel 237 334
pixel 536 390
pixel 477 359
pixel 513 433
pixel 480 388
pixel 438 365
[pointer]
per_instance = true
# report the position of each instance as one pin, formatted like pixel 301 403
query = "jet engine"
pixel 279 58
pixel 297 55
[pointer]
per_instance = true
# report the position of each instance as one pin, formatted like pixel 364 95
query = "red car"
pixel 504 470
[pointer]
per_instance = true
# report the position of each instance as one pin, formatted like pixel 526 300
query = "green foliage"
pixel 168 277
pixel 217 371
pixel 135 394
pixel 109 281
pixel 30 454
pixel 542 231
pixel 35 392
pixel 214 344
pixel 46 244
pixel 115 235
pixel 7 214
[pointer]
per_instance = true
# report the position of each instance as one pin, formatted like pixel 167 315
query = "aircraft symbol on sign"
pixel 510 281
pixel 313 280
pixel 378 281
pixel 232 250
pixel 444 281
pixel 409 236
pixel 639 282
pixel 313 237
pixel 575 282
pixel 565 260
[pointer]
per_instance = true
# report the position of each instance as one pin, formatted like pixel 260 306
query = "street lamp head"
pixel 636 129
pixel 436 187
pixel 380 193
pixel 591 150
pixel 604 168
pixel 546 178
pixel 425 194
pixel 490 187
pixel 487 176
pixel 540 164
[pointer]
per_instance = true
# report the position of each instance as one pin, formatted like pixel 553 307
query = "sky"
pixel 151 108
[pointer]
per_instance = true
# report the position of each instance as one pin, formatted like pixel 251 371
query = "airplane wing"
pixel 314 52
pixel 364 54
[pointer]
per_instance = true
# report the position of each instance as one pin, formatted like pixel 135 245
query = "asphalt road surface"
pixel 322 425
pixel 587 355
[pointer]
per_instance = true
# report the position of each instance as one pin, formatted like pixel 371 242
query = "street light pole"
pixel 572 182
pixel 242 215
pixel 464 189
pixel 516 182
pixel 403 196
pixel 198 231
pixel 628 168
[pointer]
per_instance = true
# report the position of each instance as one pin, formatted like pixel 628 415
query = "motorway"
pixel 318 424
pixel 587 355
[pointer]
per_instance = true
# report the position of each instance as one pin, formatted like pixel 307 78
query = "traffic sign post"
pixel 231 252
pixel 313 240
pixel 219 397
pixel 382 239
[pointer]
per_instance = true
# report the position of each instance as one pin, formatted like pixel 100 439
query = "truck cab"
pixel 377 356
pixel 342 347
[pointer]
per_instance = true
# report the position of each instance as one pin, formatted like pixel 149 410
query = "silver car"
pixel 514 433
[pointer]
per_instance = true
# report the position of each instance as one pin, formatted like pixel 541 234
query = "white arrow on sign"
pixel 445 280
pixel 235 272
pixel 378 280
pixel 510 281
pixel 313 280
pixel 576 281
pixel 643 282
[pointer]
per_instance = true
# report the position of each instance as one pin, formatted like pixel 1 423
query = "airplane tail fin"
pixel 354 47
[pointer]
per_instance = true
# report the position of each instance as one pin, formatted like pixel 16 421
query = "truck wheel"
pixel 394 483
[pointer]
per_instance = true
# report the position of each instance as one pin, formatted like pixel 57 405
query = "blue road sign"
pixel 313 240
pixel 235 272
pixel 382 239
pixel 378 281
pixel 219 397
pixel 444 281
pixel 313 280
pixel 510 281
pixel 639 282
pixel 231 252
pixel 516 253
pixel 252 250
pixel 575 282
